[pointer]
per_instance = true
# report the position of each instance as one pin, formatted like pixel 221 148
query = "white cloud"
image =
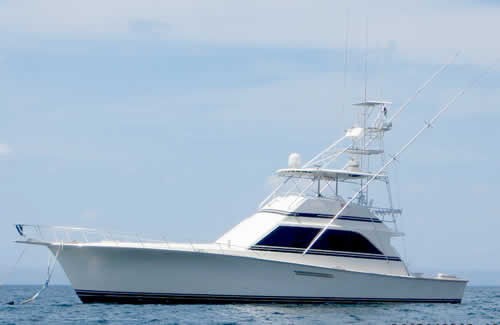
pixel 4 149
pixel 424 30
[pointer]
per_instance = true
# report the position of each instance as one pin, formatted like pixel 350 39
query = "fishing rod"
pixel 393 158
pixel 423 86
pixel 317 159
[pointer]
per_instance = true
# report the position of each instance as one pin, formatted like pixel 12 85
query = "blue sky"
pixel 167 118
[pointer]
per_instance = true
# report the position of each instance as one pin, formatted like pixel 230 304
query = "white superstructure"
pixel 323 235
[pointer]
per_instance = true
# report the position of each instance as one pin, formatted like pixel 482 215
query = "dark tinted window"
pixel 346 241
pixel 331 240
pixel 285 236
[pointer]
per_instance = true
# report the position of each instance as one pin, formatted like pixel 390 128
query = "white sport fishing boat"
pixel 307 242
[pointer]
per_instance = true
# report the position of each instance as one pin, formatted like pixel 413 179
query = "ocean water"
pixel 60 305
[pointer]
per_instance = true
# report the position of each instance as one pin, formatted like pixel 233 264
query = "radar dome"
pixel 294 160
pixel 353 166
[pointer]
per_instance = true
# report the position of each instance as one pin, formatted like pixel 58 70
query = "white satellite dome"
pixel 353 166
pixel 294 160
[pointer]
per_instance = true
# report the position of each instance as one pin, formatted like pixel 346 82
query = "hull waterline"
pixel 139 276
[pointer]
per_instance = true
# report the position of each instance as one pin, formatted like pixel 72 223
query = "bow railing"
pixel 57 235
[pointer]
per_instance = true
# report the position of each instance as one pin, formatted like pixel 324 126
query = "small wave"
pixel 355 317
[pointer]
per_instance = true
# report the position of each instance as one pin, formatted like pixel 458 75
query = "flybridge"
pixel 355 154
pixel 370 125
pixel 327 174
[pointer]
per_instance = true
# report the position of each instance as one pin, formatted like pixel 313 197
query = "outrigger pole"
pixel 393 158
pixel 423 86
pixel 318 158
pixel 419 90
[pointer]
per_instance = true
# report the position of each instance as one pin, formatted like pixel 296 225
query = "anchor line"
pixel 50 271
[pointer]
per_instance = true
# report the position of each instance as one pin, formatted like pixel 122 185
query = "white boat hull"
pixel 136 275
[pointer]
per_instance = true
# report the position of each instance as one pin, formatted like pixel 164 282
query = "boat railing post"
pixel 97 234
pixel 84 235
pixel 140 240
pixel 37 227
pixel 66 234
pixel 102 235
pixel 54 232
pixel 112 239
pixel 165 241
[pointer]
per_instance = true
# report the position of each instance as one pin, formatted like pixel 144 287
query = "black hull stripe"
pixel 362 219
pixel 90 296
pixel 324 216
pixel 326 253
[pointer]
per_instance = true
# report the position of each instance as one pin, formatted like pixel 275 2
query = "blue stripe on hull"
pixel 327 253
pixel 91 296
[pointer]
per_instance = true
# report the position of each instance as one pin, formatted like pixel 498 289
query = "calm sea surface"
pixel 60 305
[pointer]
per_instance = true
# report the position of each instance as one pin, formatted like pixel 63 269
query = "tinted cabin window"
pixel 284 236
pixel 346 241
pixel 331 240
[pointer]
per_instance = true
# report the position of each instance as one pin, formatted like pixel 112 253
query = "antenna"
pixel 383 60
pixel 393 158
pixel 325 155
pixel 346 62
pixel 366 55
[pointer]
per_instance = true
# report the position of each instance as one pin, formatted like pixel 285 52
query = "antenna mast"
pixel 366 55
pixel 346 62
pixel 393 158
